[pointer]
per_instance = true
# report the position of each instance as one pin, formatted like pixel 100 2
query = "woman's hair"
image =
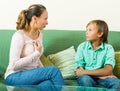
pixel 25 16
pixel 102 27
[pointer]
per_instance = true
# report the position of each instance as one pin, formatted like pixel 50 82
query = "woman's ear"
pixel 34 19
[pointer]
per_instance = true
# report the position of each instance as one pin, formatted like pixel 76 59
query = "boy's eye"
pixel 88 30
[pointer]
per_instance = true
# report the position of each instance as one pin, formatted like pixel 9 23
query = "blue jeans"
pixel 89 81
pixel 38 76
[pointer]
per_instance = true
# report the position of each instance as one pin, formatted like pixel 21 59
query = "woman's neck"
pixel 32 34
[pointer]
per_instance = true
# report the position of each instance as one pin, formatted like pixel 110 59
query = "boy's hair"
pixel 102 27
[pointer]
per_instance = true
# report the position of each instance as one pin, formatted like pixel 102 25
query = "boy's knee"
pixel 86 80
pixel 84 77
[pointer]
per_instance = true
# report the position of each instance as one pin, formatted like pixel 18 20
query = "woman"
pixel 25 67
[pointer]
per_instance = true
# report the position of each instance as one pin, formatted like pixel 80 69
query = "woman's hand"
pixel 37 46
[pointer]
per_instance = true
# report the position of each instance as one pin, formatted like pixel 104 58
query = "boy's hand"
pixel 79 71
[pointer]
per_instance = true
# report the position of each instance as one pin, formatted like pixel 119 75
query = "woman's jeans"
pixel 89 81
pixel 38 76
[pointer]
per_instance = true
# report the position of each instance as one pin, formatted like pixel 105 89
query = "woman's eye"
pixel 90 30
pixel 45 18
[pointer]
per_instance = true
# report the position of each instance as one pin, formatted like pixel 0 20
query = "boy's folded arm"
pixel 106 71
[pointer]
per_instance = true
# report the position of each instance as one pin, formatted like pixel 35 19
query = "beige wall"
pixel 65 14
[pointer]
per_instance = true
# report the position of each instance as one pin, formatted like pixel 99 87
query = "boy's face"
pixel 92 33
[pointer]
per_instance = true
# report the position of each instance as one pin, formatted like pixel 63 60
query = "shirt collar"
pixel 100 47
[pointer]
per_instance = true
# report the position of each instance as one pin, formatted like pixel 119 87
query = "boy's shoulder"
pixel 83 44
pixel 108 45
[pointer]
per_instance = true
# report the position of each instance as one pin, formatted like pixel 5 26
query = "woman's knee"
pixel 54 68
pixel 45 83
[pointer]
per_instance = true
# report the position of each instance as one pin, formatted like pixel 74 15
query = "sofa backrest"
pixel 5 39
pixel 53 41
pixel 57 40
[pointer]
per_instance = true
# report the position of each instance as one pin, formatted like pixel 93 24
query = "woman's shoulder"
pixel 18 34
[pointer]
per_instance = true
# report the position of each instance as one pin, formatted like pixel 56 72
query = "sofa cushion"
pixel 116 70
pixel 45 61
pixel 65 61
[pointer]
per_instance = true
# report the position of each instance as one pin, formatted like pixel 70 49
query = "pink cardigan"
pixel 22 53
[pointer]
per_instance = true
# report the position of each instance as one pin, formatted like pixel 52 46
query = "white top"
pixel 23 56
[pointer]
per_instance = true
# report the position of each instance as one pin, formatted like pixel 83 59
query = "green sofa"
pixel 55 41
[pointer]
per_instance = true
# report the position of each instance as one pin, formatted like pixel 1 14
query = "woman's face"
pixel 42 20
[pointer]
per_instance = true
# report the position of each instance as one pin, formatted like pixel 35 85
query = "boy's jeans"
pixel 89 81
pixel 37 76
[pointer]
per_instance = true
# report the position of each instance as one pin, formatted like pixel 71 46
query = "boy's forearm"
pixel 100 72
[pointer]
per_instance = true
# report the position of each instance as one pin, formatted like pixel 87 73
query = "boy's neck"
pixel 96 44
